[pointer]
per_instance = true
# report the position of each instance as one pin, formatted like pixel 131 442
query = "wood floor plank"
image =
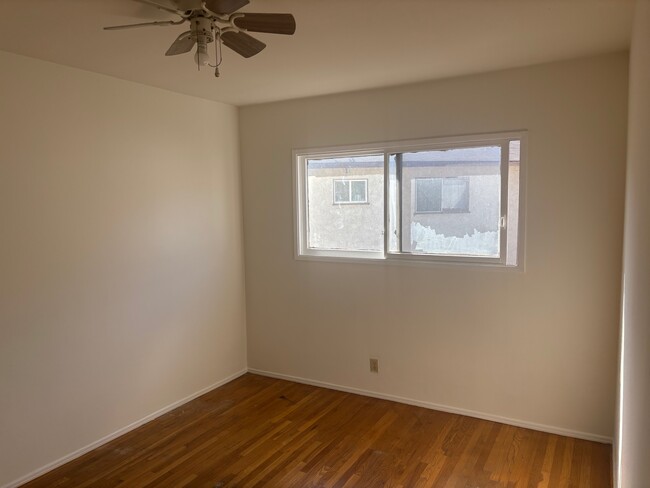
pixel 262 432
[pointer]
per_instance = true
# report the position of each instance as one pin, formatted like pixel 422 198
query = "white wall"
pixel 538 346
pixel 121 269
pixel 633 439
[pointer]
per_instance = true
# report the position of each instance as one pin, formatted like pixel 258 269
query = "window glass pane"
pixel 342 225
pixel 358 190
pixel 341 191
pixel 394 165
pixel 451 201
pixel 428 195
pixel 514 164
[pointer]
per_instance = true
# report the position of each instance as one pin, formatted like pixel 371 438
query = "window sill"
pixel 414 261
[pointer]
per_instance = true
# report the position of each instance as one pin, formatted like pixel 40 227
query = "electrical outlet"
pixel 374 365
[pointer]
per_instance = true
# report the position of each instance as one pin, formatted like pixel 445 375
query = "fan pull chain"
pixel 217 52
pixel 217 48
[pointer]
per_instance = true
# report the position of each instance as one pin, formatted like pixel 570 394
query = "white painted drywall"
pixel 121 264
pixel 538 346
pixel 633 442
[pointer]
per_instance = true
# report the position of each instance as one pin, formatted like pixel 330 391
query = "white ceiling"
pixel 340 45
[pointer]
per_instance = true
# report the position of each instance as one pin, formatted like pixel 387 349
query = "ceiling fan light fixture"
pixel 201 58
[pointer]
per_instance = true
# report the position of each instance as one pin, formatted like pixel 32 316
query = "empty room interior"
pixel 310 243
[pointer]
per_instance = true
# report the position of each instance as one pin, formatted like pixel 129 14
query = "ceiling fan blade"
pixel 183 44
pixel 160 6
pixel 242 43
pixel 271 23
pixel 143 24
pixel 187 4
pixel 225 6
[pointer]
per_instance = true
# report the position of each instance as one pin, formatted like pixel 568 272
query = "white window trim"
pixel 350 201
pixel 300 185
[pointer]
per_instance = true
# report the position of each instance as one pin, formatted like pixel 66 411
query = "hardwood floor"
pixel 262 432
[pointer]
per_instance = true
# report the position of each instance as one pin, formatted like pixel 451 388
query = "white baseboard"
pixel 443 408
pixel 94 445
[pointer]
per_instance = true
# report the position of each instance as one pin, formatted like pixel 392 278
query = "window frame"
pixel 300 186
pixel 350 201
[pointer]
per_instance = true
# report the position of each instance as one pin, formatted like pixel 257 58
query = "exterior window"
pixel 441 195
pixel 454 200
pixel 350 191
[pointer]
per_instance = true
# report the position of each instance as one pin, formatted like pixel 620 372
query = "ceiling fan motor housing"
pixel 202 30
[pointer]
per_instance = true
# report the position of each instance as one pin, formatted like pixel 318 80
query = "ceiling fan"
pixel 216 21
